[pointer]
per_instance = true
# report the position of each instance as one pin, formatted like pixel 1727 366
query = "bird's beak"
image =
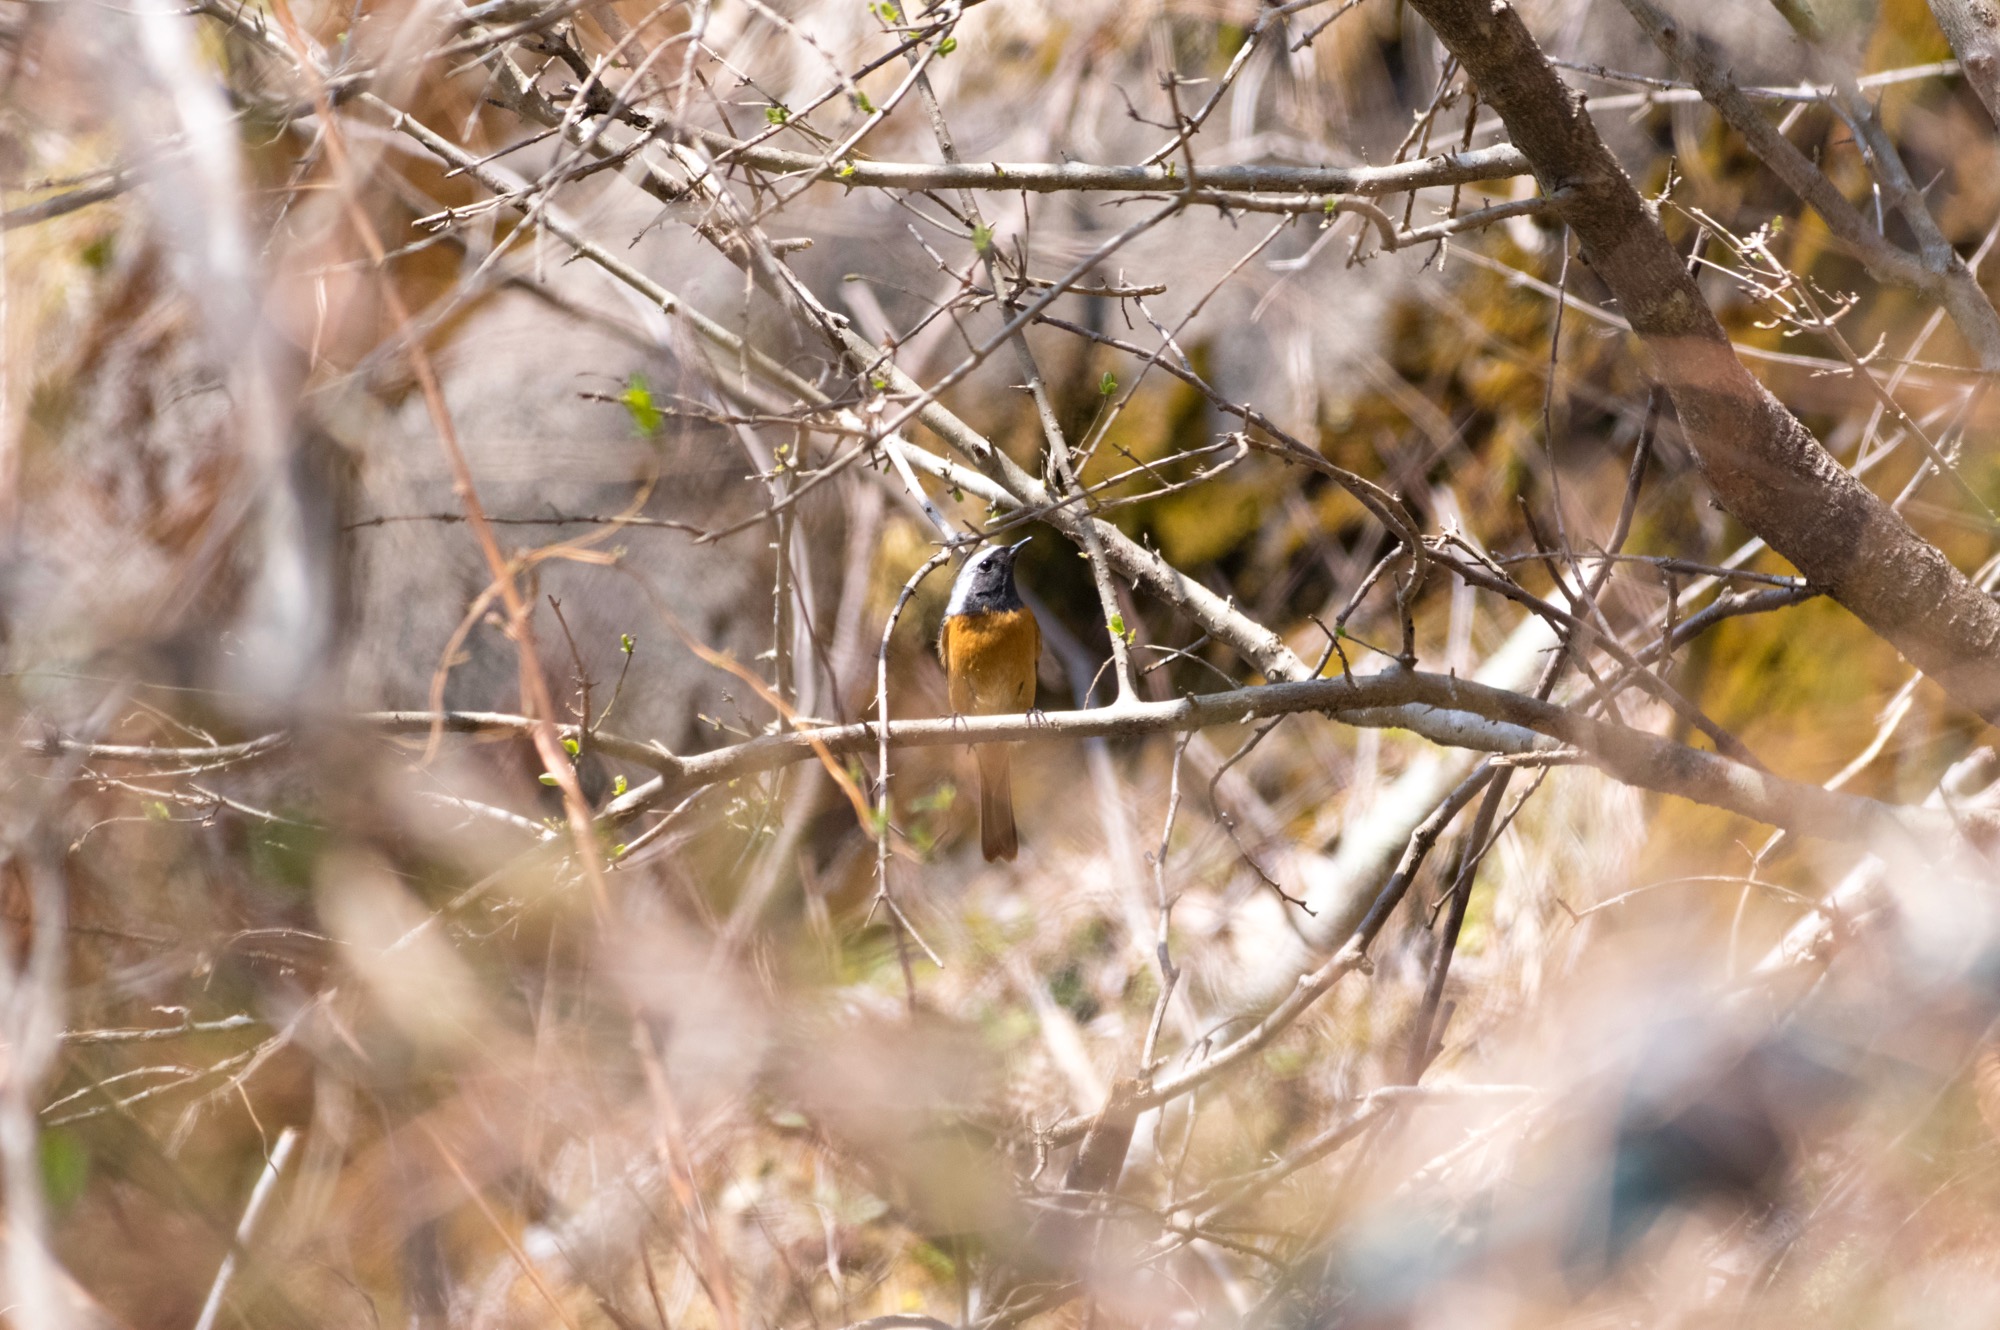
pixel 1015 548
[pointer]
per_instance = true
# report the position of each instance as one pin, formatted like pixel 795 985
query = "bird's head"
pixel 986 583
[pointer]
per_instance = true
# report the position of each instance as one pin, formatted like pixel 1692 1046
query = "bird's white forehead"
pixel 961 590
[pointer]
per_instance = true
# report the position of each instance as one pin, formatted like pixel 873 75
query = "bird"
pixel 990 644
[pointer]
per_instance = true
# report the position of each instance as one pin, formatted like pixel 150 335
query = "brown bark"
pixel 1973 29
pixel 1765 467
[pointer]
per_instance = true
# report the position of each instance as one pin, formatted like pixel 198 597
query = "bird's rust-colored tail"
pixel 996 804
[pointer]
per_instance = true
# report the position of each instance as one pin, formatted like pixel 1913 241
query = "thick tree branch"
pixel 1764 466
pixel 1450 710
pixel 1445 168
pixel 1973 29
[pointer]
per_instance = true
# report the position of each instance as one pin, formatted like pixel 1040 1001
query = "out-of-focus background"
pixel 374 376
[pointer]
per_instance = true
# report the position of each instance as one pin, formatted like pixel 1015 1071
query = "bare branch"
pixel 1940 273
pixel 1765 467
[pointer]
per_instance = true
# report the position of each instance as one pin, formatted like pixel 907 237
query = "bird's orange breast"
pixel 989 661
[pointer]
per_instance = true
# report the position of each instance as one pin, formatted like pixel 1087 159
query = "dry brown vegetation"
pixel 1508 836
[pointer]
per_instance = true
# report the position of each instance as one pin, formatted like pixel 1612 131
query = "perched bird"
pixel 990 644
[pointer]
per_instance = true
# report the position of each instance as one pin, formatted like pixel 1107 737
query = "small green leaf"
pixel 776 115
pixel 1107 385
pixel 1118 625
pixel 618 851
pixel 548 778
pixel 982 238
pixel 572 747
pixel 638 400
pixel 625 643
pixel 617 785
pixel 947 46
pixel 157 811
pixel 861 101
pixel 844 170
